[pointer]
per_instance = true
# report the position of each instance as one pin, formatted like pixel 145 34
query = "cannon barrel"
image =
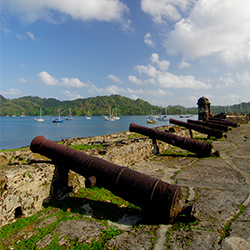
pixel 209 124
pixel 164 201
pixel 202 129
pixel 223 121
pixel 198 147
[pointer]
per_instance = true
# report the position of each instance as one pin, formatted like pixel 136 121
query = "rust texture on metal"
pixel 223 121
pixel 202 129
pixel 198 147
pixel 222 127
pixel 163 200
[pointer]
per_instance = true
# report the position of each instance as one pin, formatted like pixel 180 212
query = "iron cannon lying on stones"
pixel 164 201
pixel 223 122
pixel 222 127
pixel 200 128
pixel 201 148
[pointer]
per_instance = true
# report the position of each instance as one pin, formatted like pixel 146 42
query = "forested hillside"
pixel 99 105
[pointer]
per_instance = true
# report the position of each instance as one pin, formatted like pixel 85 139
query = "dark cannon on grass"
pixel 222 127
pixel 200 148
pixel 163 201
pixel 202 129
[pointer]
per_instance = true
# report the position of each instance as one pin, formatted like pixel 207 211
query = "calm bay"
pixel 17 132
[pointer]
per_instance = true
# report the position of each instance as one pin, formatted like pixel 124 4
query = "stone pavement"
pixel 218 186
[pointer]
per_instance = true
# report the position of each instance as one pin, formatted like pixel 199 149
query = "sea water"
pixel 17 132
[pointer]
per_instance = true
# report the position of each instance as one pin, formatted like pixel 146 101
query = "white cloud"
pixel 20 36
pixel 184 64
pixel 30 35
pixel 26 35
pixel 159 76
pixel 71 96
pixel 12 91
pixel 112 89
pixel 162 64
pixel 232 97
pixel 23 80
pixel 168 80
pixel 115 79
pixel 84 10
pixel 162 10
pixel 148 40
pixel 226 82
pixel 6 31
pixel 135 80
pixel 148 70
pixel 72 82
pixel 47 79
pixel 192 98
pixel 244 78
pixel 131 92
pixel 218 27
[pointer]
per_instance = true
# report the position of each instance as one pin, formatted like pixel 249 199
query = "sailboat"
pixel 88 117
pixel 39 119
pixel 184 115
pixel 69 117
pixel 163 117
pixel 116 117
pixel 58 120
pixel 151 119
pixel 110 117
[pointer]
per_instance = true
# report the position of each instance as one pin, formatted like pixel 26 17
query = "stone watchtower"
pixel 204 111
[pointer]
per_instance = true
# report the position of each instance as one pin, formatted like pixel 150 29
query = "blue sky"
pixel 166 52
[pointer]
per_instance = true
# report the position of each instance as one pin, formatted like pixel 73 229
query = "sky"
pixel 166 52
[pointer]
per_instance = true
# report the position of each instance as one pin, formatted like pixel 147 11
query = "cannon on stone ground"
pixel 202 129
pixel 200 148
pixel 223 122
pixel 163 201
pixel 222 127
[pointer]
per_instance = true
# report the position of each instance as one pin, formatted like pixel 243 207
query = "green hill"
pixel 100 105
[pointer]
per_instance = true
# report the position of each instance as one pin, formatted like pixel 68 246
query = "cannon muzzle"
pixel 164 201
pixel 198 147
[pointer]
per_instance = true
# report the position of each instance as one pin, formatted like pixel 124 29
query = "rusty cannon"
pixel 200 148
pixel 163 201
pixel 223 122
pixel 222 127
pixel 202 129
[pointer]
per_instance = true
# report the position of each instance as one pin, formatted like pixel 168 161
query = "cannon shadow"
pixel 101 210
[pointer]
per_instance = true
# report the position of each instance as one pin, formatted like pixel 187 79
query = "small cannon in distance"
pixel 164 201
pixel 223 122
pixel 200 148
pixel 222 127
pixel 202 129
